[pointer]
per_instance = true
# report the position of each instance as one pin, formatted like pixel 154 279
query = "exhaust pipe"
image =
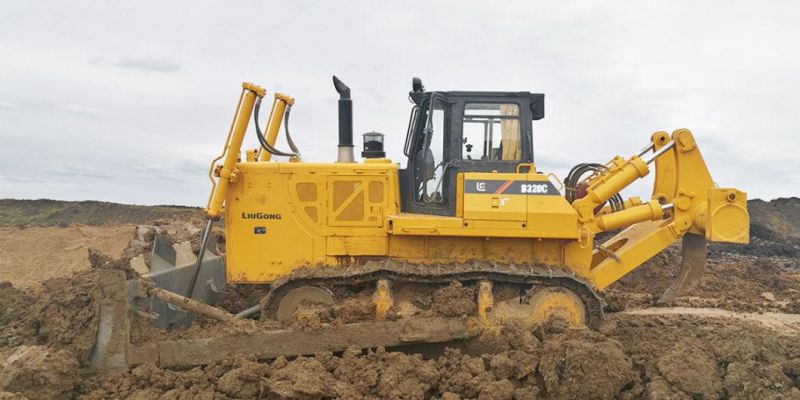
pixel 345 154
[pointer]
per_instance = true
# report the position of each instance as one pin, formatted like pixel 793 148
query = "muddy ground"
pixel 736 336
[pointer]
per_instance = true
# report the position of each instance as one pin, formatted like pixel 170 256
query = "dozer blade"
pixel 166 275
pixel 693 265
pixel 114 352
pixel 110 350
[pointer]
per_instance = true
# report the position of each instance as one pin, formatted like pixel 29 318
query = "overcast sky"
pixel 129 101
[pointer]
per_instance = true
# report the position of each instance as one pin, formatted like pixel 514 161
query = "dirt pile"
pixel 761 276
pixel 47 336
pixel 774 230
pixel 14 306
pixel 732 281
pixel 31 255
pixel 47 330
pixel 62 314
pixel 689 357
pixel 39 372
pixel 568 372
pixel 62 213
pixel 630 357
pixel 556 367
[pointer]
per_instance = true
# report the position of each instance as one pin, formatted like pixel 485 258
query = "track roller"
pixel 302 295
pixel 548 302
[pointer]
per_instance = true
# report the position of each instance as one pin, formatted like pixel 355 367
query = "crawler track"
pixel 523 276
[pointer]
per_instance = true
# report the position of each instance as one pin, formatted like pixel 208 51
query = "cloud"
pixel 22 179
pixel 79 110
pixel 90 93
pixel 79 173
pixel 148 65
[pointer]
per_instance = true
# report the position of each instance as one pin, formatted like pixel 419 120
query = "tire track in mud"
pixel 783 323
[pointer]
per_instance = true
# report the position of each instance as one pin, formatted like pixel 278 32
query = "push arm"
pixel 685 201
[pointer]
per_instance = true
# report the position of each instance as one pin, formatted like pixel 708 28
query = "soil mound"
pixel 776 219
pixel 632 356
pixel 774 229
pixel 39 372
pixel 738 282
pixel 29 256
pixel 567 372
pixel 61 213
pixel 61 314
pixel 690 356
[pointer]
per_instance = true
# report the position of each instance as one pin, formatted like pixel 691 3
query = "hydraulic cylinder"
pixel 650 211
pixel 233 149
pixel 274 123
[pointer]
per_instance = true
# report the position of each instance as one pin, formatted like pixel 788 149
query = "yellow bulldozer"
pixel 470 208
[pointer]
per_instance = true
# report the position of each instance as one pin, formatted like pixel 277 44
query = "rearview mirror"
pixel 416 85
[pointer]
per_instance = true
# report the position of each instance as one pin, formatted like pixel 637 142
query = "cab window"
pixel 431 168
pixel 491 132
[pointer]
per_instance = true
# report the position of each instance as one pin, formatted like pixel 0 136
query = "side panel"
pixel 265 239
pixel 356 245
pixel 281 216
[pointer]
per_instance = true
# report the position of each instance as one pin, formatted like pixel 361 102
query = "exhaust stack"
pixel 345 154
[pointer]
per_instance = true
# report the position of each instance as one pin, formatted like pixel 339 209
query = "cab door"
pixel 451 133
pixel 427 184
pixel 493 147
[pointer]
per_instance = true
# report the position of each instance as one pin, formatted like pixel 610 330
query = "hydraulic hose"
pixel 261 139
pixel 574 179
pixel 286 129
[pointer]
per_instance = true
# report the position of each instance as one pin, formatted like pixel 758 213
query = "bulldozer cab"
pixel 454 132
